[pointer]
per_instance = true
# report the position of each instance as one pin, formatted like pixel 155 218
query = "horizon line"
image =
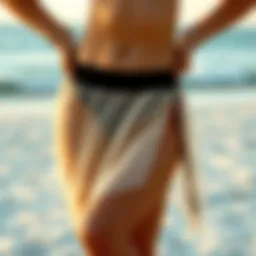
pixel 185 24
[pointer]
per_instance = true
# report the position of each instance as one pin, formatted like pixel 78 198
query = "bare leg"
pixel 105 221
pixel 128 223
pixel 146 233
pixel 71 127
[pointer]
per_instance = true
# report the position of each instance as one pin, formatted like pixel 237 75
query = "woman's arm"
pixel 221 18
pixel 33 14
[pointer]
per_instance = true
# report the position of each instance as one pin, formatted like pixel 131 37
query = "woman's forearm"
pixel 33 14
pixel 225 15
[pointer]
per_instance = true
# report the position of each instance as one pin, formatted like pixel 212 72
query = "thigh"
pixel 69 120
pixel 79 147
pixel 145 234
pixel 147 230
pixel 126 201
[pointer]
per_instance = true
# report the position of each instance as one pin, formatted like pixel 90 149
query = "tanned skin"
pixel 130 36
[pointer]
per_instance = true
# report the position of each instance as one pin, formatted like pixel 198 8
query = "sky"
pixel 74 11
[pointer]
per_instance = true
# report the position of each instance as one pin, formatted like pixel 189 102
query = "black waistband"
pixel 96 77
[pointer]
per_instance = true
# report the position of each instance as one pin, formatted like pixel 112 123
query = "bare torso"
pixel 130 34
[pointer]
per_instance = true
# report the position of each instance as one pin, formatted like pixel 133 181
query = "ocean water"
pixel 222 128
pixel 34 220
pixel 29 62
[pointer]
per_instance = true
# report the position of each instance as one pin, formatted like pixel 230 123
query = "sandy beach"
pixel 223 135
